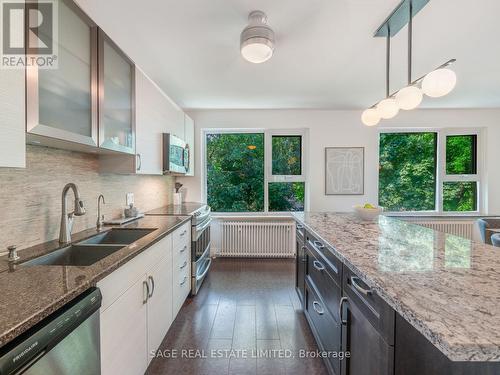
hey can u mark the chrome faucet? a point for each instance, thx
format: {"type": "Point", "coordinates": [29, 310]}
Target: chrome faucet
{"type": "Point", "coordinates": [67, 218]}
{"type": "Point", "coordinates": [100, 218]}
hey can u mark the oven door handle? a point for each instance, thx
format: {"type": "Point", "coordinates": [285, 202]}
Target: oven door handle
{"type": "Point", "coordinates": [199, 277]}
{"type": "Point", "coordinates": [205, 214]}
{"type": "Point", "coordinates": [203, 226]}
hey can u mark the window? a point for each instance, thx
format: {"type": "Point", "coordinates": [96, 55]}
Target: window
{"type": "Point", "coordinates": [407, 171]}
{"type": "Point", "coordinates": [255, 171]}
{"type": "Point", "coordinates": [287, 155]}
{"type": "Point", "coordinates": [235, 172]}
{"type": "Point", "coordinates": [460, 180]}
{"type": "Point", "coordinates": [461, 155]}
{"type": "Point", "coordinates": [286, 186]}
{"type": "Point", "coordinates": [413, 176]}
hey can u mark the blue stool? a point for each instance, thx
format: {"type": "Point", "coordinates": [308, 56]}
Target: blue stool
{"type": "Point", "coordinates": [495, 239]}
{"type": "Point", "coordinates": [485, 223]}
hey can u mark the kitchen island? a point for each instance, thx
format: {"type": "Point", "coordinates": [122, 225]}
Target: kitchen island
{"type": "Point", "coordinates": [433, 298]}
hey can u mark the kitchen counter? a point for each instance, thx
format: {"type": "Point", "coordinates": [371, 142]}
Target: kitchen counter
{"type": "Point", "coordinates": [186, 208]}
{"type": "Point", "coordinates": [31, 293]}
{"type": "Point", "coordinates": [445, 286]}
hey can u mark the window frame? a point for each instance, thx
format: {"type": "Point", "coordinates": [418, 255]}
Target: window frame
{"type": "Point", "coordinates": [268, 174]}
{"type": "Point", "coordinates": [441, 175]}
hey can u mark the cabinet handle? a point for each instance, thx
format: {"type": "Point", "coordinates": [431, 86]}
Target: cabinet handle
{"type": "Point", "coordinates": [139, 162]}
{"type": "Point", "coordinates": [184, 265]}
{"type": "Point", "coordinates": [145, 285]}
{"type": "Point", "coordinates": [319, 245]}
{"type": "Point", "coordinates": [318, 265]}
{"type": "Point", "coordinates": [183, 233]}
{"type": "Point", "coordinates": [184, 281]}
{"type": "Point", "coordinates": [304, 258]}
{"type": "Point", "coordinates": [317, 307]}
{"type": "Point", "coordinates": [341, 303]}
{"type": "Point", "coordinates": [300, 227]}
{"type": "Point", "coordinates": [359, 288]}
{"type": "Point", "coordinates": [184, 249]}
{"type": "Point", "coordinates": [152, 286]}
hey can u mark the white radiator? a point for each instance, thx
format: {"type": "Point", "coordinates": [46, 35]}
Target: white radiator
{"type": "Point", "coordinates": [458, 228]}
{"type": "Point", "coordinates": [262, 239]}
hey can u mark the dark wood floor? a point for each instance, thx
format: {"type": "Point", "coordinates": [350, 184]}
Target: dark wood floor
{"type": "Point", "coordinates": [244, 307]}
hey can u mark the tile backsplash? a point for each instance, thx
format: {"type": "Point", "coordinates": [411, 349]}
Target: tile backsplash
{"type": "Point", "coordinates": [30, 199]}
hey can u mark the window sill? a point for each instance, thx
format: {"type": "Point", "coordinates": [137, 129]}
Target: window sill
{"type": "Point", "coordinates": [437, 215]}
{"type": "Point", "coordinates": [252, 215]}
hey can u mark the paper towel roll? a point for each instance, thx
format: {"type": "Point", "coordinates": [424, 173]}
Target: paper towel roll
{"type": "Point", "coordinates": [177, 198]}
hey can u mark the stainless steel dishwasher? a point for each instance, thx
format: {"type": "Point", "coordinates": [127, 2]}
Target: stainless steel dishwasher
{"type": "Point", "coordinates": [66, 342]}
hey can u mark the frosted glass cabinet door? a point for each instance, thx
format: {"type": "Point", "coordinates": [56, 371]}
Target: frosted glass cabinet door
{"type": "Point", "coordinates": [62, 102]}
{"type": "Point", "coordinates": [116, 98]}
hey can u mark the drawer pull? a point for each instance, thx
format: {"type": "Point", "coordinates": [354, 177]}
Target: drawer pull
{"type": "Point", "coordinates": [319, 245]}
{"type": "Point", "coordinates": [152, 286]}
{"type": "Point", "coordinates": [341, 303]}
{"type": "Point", "coordinates": [183, 233]}
{"type": "Point", "coordinates": [183, 281]}
{"type": "Point", "coordinates": [318, 265]}
{"type": "Point", "coordinates": [184, 249]}
{"type": "Point", "coordinates": [317, 307]}
{"type": "Point", "coordinates": [304, 257]}
{"type": "Point", "coordinates": [184, 265]}
{"type": "Point", "coordinates": [359, 288]}
{"type": "Point", "coordinates": [145, 285]}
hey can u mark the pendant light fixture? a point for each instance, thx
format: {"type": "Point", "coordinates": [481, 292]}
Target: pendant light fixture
{"type": "Point", "coordinates": [257, 39]}
{"type": "Point", "coordinates": [435, 84]}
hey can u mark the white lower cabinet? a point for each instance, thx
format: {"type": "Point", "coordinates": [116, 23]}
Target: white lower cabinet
{"type": "Point", "coordinates": [124, 334]}
{"type": "Point", "coordinates": [160, 311]}
{"type": "Point", "coordinates": [181, 257]}
{"type": "Point", "coordinates": [140, 301]}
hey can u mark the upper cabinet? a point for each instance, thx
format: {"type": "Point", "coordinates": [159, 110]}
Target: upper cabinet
{"type": "Point", "coordinates": [95, 100]}
{"type": "Point", "coordinates": [189, 139]}
{"type": "Point", "coordinates": [149, 107]}
{"type": "Point", "coordinates": [61, 103]}
{"type": "Point", "coordinates": [12, 120]}
{"type": "Point", "coordinates": [155, 114]}
{"type": "Point", "coordinates": [116, 98]}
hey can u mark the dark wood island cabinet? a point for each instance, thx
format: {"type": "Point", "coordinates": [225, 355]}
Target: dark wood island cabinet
{"type": "Point", "coordinates": [349, 318]}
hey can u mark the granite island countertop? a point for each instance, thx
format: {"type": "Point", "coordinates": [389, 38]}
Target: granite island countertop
{"type": "Point", "coordinates": [31, 293]}
{"type": "Point", "coordinates": [445, 286]}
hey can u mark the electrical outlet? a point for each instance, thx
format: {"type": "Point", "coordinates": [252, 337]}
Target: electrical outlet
{"type": "Point", "coordinates": [130, 199]}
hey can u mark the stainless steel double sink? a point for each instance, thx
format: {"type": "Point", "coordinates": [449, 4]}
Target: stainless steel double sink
{"type": "Point", "coordinates": [91, 250]}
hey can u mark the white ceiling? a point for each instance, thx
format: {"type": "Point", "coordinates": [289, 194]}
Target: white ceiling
{"type": "Point", "coordinates": [325, 54]}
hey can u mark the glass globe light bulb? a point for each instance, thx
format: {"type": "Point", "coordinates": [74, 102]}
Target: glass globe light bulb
{"type": "Point", "coordinates": [370, 117]}
{"type": "Point", "coordinates": [439, 82]}
{"type": "Point", "coordinates": [409, 98]}
{"type": "Point", "coordinates": [387, 108]}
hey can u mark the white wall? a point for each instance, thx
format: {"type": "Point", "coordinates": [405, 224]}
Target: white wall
{"type": "Point", "coordinates": [344, 128]}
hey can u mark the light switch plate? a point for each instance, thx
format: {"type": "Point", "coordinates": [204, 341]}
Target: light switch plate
{"type": "Point", "coordinates": [130, 199]}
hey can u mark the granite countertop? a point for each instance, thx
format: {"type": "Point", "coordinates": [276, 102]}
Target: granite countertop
{"type": "Point", "coordinates": [447, 287]}
{"type": "Point", "coordinates": [186, 208]}
{"type": "Point", "coordinates": [31, 293]}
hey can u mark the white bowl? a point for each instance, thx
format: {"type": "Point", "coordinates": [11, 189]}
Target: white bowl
{"type": "Point", "coordinates": [368, 214]}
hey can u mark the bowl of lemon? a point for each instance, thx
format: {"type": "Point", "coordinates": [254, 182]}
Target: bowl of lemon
{"type": "Point", "coordinates": [368, 212]}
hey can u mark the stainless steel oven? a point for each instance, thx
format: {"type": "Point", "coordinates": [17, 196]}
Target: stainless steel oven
{"type": "Point", "coordinates": [200, 247]}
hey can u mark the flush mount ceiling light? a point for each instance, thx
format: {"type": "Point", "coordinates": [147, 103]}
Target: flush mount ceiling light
{"type": "Point", "coordinates": [435, 84]}
{"type": "Point", "coordinates": [257, 39]}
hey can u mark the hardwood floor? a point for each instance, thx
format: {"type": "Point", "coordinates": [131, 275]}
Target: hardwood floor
{"type": "Point", "coordinates": [246, 319]}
